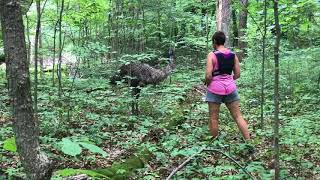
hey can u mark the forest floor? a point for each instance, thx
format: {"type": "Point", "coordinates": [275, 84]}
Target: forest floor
{"type": "Point", "coordinates": [172, 126]}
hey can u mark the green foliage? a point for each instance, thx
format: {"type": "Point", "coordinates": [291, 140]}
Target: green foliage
{"type": "Point", "coordinates": [72, 172]}
{"type": "Point", "coordinates": [93, 148]}
{"type": "Point", "coordinates": [73, 148]}
{"type": "Point", "coordinates": [70, 148]}
{"type": "Point", "coordinates": [172, 125]}
{"type": "Point", "coordinates": [10, 145]}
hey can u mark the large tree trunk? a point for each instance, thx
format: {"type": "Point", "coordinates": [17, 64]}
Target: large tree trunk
{"type": "Point", "coordinates": [243, 17]}
{"type": "Point", "coordinates": [25, 125]}
{"type": "Point", "coordinates": [223, 18]}
{"type": "Point", "coordinates": [276, 91]}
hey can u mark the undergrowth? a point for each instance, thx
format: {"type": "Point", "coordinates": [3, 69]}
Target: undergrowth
{"type": "Point", "coordinates": [172, 124]}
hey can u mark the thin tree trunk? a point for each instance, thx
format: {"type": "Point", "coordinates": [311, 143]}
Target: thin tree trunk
{"type": "Point", "coordinates": [159, 27]}
{"type": "Point", "coordinates": [319, 81]}
{"type": "Point", "coordinates": [223, 18]}
{"type": "Point", "coordinates": [145, 40]}
{"type": "Point", "coordinates": [276, 91]}
{"type": "Point", "coordinates": [116, 40]}
{"type": "Point", "coordinates": [109, 31]}
{"type": "Point", "coordinates": [133, 29]}
{"type": "Point", "coordinates": [243, 17]}
{"type": "Point", "coordinates": [54, 53]}
{"type": "Point", "coordinates": [235, 29]}
{"type": "Point", "coordinates": [40, 54]}
{"type": "Point", "coordinates": [25, 125]}
{"type": "Point", "coordinates": [60, 50]}
{"type": "Point", "coordinates": [207, 28]}
{"type": "Point", "coordinates": [36, 47]}
{"type": "Point", "coordinates": [144, 37]}
{"type": "Point", "coordinates": [29, 41]}
{"type": "Point", "coordinates": [36, 41]}
{"type": "Point", "coordinates": [263, 64]}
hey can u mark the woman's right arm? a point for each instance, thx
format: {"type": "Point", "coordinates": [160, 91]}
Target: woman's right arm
{"type": "Point", "coordinates": [209, 69]}
{"type": "Point", "coordinates": [236, 68]}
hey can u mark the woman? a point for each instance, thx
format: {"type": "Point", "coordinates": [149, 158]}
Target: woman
{"type": "Point", "coordinates": [222, 69]}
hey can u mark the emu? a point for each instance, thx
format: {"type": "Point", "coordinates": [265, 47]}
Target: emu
{"type": "Point", "coordinates": [138, 75]}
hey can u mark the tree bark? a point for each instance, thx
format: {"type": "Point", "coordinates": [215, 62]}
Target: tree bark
{"type": "Point", "coordinates": [263, 64]}
{"type": "Point", "coordinates": [159, 26]}
{"type": "Point", "coordinates": [28, 38]}
{"type": "Point", "coordinates": [60, 46]}
{"type": "Point", "coordinates": [25, 125]}
{"type": "Point", "coordinates": [235, 30]}
{"type": "Point", "coordinates": [40, 54]}
{"type": "Point", "coordinates": [276, 91]}
{"type": "Point", "coordinates": [109, 30]}
{"type": "Point", "coordinates": [36, 46]}
{"type": "Point", "coordinates": [223, 18]}
{"type": "Point", "coordinates": [243, 17]}
{"type": "Point", "coordinates": [54, 53]}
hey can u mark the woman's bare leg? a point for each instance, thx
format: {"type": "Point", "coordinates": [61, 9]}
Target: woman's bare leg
{"type": "Point", "coordinates": [234, 108]}
{"type": "Point", "coordinates": [214, 109]}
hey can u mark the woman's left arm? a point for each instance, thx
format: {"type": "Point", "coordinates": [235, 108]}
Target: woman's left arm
{"type": "Point", "coordinates": [236, 68]}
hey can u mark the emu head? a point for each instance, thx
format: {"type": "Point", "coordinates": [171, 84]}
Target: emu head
{"type": "Point", "coordinates": [172, 58]}
{"type": "Point", "coordinates": [171, 55]}
{"type": "Point", "coordinates": [113, 80]}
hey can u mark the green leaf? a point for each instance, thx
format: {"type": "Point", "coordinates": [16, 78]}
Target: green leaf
{"type": "Point", "coordinates": [72, 172]}
{"type": "Point", "coordinates": [93, 148]}
{"type": "Point", "coordinates": [121, 171]}
{"type": "Point", "coordinates": [70, 148]}
{"type": "Point", "coordinates": [10, 145]}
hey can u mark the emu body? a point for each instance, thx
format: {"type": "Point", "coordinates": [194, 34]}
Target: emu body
{"type": "Point", "coordinates": [138, 75]}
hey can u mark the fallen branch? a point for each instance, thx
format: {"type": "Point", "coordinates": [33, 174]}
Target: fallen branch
{"type": "Point", "coordinates": [199, 152]}
{"type": "Point", "coordinates": [183, 164]}
{"type": "Point", "coordinates": [202, 93]}
{"type": "Point", "coordinates": [233, 160]}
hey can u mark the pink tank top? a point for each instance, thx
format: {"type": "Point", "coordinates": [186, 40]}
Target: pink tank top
{"type": "Point", "coordinates": [221, 84]}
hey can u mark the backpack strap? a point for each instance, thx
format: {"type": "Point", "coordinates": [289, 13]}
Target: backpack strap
{"type": "Point", "coordinates": [219, 57]}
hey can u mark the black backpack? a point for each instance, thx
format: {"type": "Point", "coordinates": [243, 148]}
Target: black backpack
{"type": "Point", "coordinates": [225, 63]}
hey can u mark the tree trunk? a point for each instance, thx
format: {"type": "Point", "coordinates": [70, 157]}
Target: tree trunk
{"type": "Point", "coordinates": [263, 64]}
{"type": "Point", "coordinates": [54, 53]}
{"type": "Point", "coordinates": [29, 41]}
{"type": "Point", "coordinates": [159, 26]}
{"type": "Point", "coordinates": [60, 50]}
{"type": "Point", "coordinates": [25, 125]}
{"type": "Point", "coordinates": [144, 38]}
{"type": "Point", "coordinates": [276, 91]}
{"type": "Point", "coordinates": [235, 30]}
{"type": "Point", "coordinates": [109, 32]}
{"type": "Point", "coordinates": [223, 18]}
{"type": "Point", "coordinates": [40, 54]}
{"type": "Point", "coordinates": [243, 17]}
{"type": "Point", "coordinates": [36, 42]}
{"type": "Point", "coordinates": [319, 81]}
{"type": "Point", "coordinates": [207, 28]}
